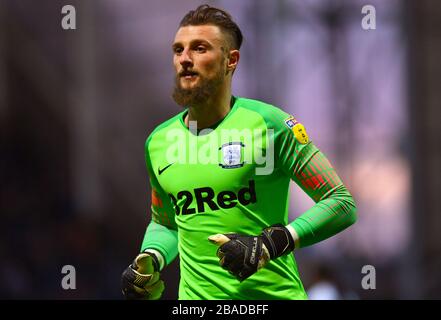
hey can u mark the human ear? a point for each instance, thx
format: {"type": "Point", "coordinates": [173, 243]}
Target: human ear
{"type": "Point", "coordinates": [233, 60]}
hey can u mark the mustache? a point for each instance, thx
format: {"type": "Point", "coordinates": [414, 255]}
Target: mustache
{"type": "Point", "coordinates": [184, 73]}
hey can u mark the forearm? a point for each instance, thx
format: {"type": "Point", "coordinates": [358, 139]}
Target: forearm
{"type": "Point", "coordinates": [162, 239]}
{"type": "Point", "coordinates": [334, 208]}
{"type": "Point", "coordinates": [326, 218]}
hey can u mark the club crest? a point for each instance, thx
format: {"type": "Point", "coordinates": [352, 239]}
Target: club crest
{"type": "Point", "coordinates": [232, 155]}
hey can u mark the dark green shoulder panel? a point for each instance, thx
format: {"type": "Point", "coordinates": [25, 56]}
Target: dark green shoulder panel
{"type": "Point", "coordinates": [273, 116]}
{"type": "Point", "coordinates": [161, 126]}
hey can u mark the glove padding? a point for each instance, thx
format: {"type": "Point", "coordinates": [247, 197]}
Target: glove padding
{"type": "Point", "coordinates": [244, 255]}
{"type": "Point", "coordinates": [140, 280]}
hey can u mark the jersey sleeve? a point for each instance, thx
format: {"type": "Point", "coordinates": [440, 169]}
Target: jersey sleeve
{"type": "Point", "coordinates": [304, 163]}
{"type": "Point", "coordinates": [162, 208]}
{"type": "Point", "coordinates": [161, 233]}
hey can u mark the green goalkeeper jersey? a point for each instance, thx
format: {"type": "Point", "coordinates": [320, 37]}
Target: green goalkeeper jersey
{"type": "Point", "coordinates": [235, 178]}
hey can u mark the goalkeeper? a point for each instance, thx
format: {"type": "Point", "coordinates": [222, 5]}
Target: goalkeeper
{"type": "Point", "coordinates": [227, 215]}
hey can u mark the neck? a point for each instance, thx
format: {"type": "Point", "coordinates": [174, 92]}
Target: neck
{"type": "Point", "coordinates": [211, 111]}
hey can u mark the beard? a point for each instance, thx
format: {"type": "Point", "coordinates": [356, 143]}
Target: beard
{"type": "Point", "coordinates": [200, 93]}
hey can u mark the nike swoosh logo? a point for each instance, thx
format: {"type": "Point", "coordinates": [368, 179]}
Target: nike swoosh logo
{"type": "Point", "coordinates": [165, 168]}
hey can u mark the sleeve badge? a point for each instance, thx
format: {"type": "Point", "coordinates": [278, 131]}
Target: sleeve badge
{"type": "Point", "coordinates": [298, 129]}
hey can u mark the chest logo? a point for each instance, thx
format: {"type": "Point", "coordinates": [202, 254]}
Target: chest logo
{"type": "Point", "coordinates": [163, 169]}
{"type": "Point", "coordinates": [232, 155]}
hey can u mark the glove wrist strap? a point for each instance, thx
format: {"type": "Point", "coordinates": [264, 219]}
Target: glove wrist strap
{"type": "Point", "coordinates": [278, 240]}
{"type": "Point", "coordinates": [155, 262]}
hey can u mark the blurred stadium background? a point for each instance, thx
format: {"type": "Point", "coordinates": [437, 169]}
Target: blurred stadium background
{"type": "Point", "coordinates": [77, 105]}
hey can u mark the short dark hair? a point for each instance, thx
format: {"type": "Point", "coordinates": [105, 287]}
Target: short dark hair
{"type": "Point", "coordinates": [204, 14]}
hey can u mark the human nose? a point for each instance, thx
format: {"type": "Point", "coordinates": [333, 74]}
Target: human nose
{"type": "Point", "coordinates": [185, 58]}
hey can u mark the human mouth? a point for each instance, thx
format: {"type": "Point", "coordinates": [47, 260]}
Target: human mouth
{"type": "Point", "coordinates": [188, 75]}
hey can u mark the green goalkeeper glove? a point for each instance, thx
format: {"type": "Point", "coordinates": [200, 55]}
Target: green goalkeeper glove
{"type": "Point", "coordinates": [243, 255]}
{"type": "Point", "coordinates": [140, 280]}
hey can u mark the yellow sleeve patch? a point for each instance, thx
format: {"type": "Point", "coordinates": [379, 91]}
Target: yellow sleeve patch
{"type": "Point", "coordinates": [298, 129]}
{"type": "Point", "coordinates": [300, 133]}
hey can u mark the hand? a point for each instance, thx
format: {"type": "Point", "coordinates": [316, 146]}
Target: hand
{"type": "Point", "coordinates": [241, 255]}
{"type": "Point", "coordinates": [244, 255]}
{"type": "Point", "coordinates": [140, 280]}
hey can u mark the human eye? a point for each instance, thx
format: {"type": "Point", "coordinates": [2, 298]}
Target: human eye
{"type": "Point", "coordinates": [200, 48]}
{"type": "Point", "coordinates": [177, 50]}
